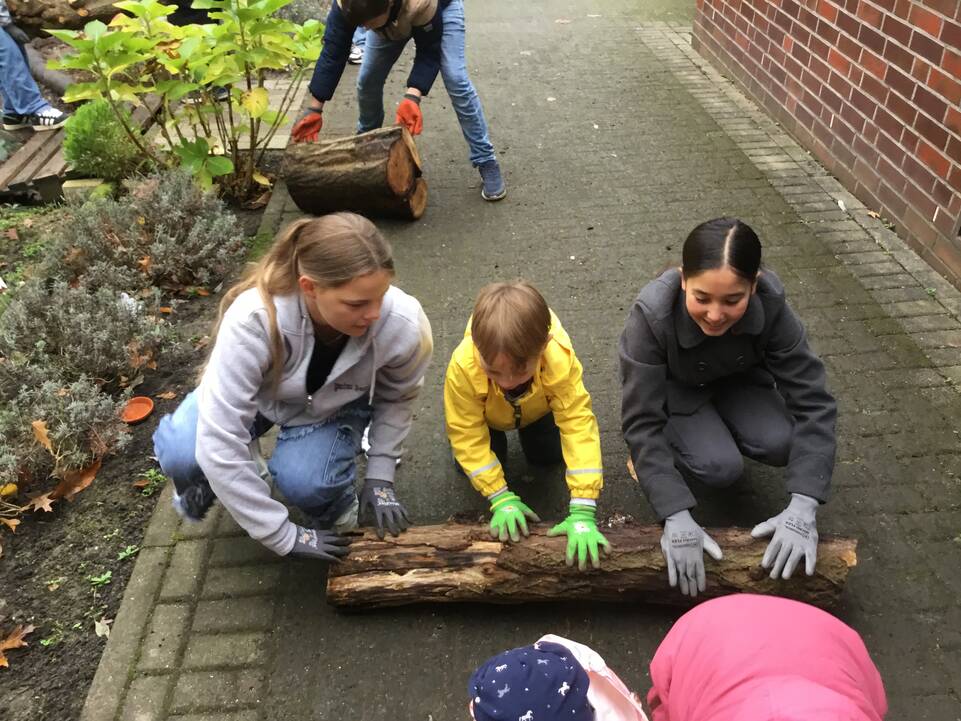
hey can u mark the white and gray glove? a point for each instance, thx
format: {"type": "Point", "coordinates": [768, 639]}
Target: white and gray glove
{"type": "Point", "coordinates": [683, 545]}
{"type": "Point", "coordinates": [795, 537]}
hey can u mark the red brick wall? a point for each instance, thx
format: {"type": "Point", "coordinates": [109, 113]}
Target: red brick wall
{"type": "Point", "coordinates": [871, 87]}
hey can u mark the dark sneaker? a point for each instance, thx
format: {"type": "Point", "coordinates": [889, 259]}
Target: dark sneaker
{"type": "Point", "coordinates": [193, 502]}
{"type": "Point", "coordinates": [494, 188]}
{"type": "Point", "coordinates": [356, 56]}
{"type": "Point", "coordinates": [47, 119]}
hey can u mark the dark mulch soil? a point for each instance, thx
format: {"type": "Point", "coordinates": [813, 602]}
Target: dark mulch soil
{"type": "Point", "coordinates": [46, 567]}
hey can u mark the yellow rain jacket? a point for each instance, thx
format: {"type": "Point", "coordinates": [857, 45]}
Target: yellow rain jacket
{"type": "Point", "coordinates": [473, 404]}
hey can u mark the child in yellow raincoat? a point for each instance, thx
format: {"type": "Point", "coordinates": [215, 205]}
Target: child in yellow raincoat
{"type": "Point", "coordinates": [516, 370]}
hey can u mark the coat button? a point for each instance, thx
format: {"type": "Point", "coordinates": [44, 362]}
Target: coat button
{"type": "Point", "coordinates": [701, 366]}
{"type": "Point", "coordinates": [740, 361]}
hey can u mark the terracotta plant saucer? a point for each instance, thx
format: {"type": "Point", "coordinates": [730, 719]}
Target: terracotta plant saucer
{"type": "Point", "coordinates": [137, 409]}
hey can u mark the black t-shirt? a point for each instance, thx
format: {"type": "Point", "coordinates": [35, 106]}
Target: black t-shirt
{"type": "Point", "coordinates": [322, 361]}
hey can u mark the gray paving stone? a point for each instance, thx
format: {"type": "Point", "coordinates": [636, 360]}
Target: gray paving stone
{"type": "Point", "coordinates": [183, 575]}
{"type": "Point", "coordinates": [145, 699]}
{"type": "Point", "coordinates": [236, 551]}
{"type": "Point", "coordinates": [217, 690]}
{"type": "Point", "coordinates": [165, 636]}
{"type": "Point", "coordinates": [241, 581]}
{"type": "Point", "coordinates": [226, 649]}
{"type": "Point", "coordinates": [246, 715]}
{"type": "Point", "coordinates": [234, 614]}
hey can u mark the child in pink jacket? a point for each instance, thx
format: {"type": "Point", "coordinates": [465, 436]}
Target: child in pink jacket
{"type": "Point", "coordinates": [736, 658]}
{"type": "Point", "coordinates": [763, 658]}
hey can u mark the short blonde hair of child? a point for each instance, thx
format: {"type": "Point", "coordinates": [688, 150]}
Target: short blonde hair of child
{"type": "Point", "coordinates": [510, 318]}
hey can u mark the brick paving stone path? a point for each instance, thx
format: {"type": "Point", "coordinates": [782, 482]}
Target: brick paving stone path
{"type": "Point", "coordinates": [616, 139]}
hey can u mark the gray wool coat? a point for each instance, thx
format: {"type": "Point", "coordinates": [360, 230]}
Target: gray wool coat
{"type": "Point", "coordinates": [668, 366]}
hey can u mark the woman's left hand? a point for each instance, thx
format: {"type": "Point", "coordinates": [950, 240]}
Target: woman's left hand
{"type": "Point", "coordinates": [795, 537]}
{"type": "Point", "coordinates": [387, 510]}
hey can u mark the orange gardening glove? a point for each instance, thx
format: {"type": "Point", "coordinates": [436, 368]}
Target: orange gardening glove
{"type": "Point", "coordinates": [307, 128]}
{"type": "Point", "coordinates": [408, 114]}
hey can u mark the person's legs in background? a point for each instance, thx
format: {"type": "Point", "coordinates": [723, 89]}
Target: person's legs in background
{"type": "Point", "coordinates": [466, 103]}
{"type": "Point", "coordinates": [23, 105]}
{"type": "Point", "coordinates": [380, 54]}
{"type": "Point", "coordinates": [357, 43]}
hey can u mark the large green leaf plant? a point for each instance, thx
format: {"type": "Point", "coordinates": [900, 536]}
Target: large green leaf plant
{"type": "Point", "coordinates": [141, 53]}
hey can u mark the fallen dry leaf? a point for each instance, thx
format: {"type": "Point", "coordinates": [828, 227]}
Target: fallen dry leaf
{"type": "Point", "coordinates": [43, 502]}
{"type": "Point", "coordinates": [102, 627]}
{"type": "Point", "coordinates": [12, 234]}
{"type": "Point", "coordinates": [40, 433]}
{"type": "Point", "coordinates": [9, 489]}
{"type": "Point", "coordinates": [165, 309]}
{"type": "Point", "coordinates": [874, 214]}
{"type": "Point", "coordinates": [166, 395]}
{"type": "Point", "coordinates": [203, 292]}
{"type": "Point", "coordinates": [141, 483]}
{"type": "Point", "coordinates": [14, 640]}
{"type": "Point", "coordinates": [11, 523]}
{"type": "Point", "coordinates": [28, 222]}
{"type": "Point", "coordinates": [145, 263]}
{"type": "Point", "coordinates": [75, 481]}
{"type": "Point", "coordinates": [630, 468]}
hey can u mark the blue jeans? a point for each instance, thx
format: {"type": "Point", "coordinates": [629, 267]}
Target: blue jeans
{"type": "Point", "coordinates": [17, 87]}
{"type": "Point", "coordinates": [380, 54]}
{"type": "Point", "coordinates": [360, 36]}
{"type": "Point", "coordinates": [314, 466]}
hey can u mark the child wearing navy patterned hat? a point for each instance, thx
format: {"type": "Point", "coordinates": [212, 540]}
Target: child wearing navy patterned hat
{"type": "Point", "coordinates": [555, 679]}
{"type": "Point", "coordinates": [542, 682]}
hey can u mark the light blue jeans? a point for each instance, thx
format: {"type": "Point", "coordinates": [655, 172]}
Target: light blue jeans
{"type": "Point", "coordinates": [360, 36]}
{"type": "Point", "coordinates": [314, 466]}
{"type": "Point", "coordinates": [17, 87]}
{"type": "Point", "coordinates": [380, 54]}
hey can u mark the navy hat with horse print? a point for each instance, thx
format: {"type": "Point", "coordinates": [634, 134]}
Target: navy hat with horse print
{"type": "Point", "coordinates": [543, 682]}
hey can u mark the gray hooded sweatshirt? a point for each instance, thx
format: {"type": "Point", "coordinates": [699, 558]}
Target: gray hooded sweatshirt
{"type": "Point", "coordinates": [386, 365]}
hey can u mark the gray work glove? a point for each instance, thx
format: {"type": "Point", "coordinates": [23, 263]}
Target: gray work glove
{"type": "Point", "coordinates": [795, 537]}
{"type": "Point", "coordinates": [683, 545]}
{"type": "Point", "coordinates": [324, 545]}
{"type": "Point", "coordinates": [18, 35]}
{"type": "Point", "coordinates": [379, 497]}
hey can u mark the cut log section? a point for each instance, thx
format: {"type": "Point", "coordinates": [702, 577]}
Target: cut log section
{"type": "Point", "coordinates": [459, 562]}
{"type": "Point", "coordinates": [374, 174]}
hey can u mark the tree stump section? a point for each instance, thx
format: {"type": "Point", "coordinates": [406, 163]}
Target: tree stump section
{"type": "Point", "coordinates": [39, 14]}
{"type": "Point", "coordinates": [456, 562]}
{"type": "Point", "coordinates": [375, 174]}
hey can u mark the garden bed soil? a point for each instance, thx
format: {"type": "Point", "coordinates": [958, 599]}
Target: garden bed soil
{"type": "Point", "coordinates": [47, 565]}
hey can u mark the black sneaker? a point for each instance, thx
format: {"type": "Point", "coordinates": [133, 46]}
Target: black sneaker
{"type": "Point", "coordinates": [47, 119]}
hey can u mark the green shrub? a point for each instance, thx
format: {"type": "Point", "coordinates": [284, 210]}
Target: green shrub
{"type": "Point", "coordinates": [82, 423]}
{"type": "Point", "coordinates": [80, 332]}
{"type": "Point", "coordinates": [96, 145]}
{"type": "Point", "coordinates": [166, 233]}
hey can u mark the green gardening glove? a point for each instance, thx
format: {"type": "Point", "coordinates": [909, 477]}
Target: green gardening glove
{"type": "Point", "coordinates": [582, 536]}
{"type": "Point", "coordinates": [508, 513]}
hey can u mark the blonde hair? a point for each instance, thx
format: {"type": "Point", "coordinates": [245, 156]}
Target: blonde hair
{"type": "Point", "coordinates": [510, 318]}
{"type": "Point", "coordinates": [330, 250]}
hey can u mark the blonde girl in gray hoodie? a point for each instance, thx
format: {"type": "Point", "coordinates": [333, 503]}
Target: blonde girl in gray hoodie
{"type": "Point", "coordinates": [316, 340]}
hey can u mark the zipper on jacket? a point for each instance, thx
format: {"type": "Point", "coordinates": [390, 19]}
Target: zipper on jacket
{"type": "Point", "coordinates": [517, 413]}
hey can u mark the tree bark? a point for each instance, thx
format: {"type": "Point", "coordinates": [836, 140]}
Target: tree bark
{"type": "Point", "coordinates": [53, 79]}
{"type": "Point", "coordinates": [459, 562]}
{"type": "Point", "coordinates": [40, 14]}
{"type": "Point", "coordinates": [375, 173]}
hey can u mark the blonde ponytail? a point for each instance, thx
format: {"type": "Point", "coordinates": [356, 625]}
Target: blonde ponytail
{"type": "Point", "coordinates": [330, 250]}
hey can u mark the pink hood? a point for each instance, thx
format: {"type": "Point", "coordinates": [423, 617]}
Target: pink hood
{"type": "Point", "coordinates": [763, 658]}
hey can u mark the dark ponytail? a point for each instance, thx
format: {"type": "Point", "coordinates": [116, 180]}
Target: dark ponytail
{"type": "Point", "coordinates": [719, 243]}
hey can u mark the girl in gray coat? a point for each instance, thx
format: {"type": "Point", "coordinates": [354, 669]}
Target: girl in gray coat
{"type": "Point", "coordinates": [715, 365]}
{"type": "Point", "coordinates": [316, 340]}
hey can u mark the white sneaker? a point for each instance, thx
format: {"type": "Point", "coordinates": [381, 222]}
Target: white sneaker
{"type": "Point", "coordinates": [356, 56]}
